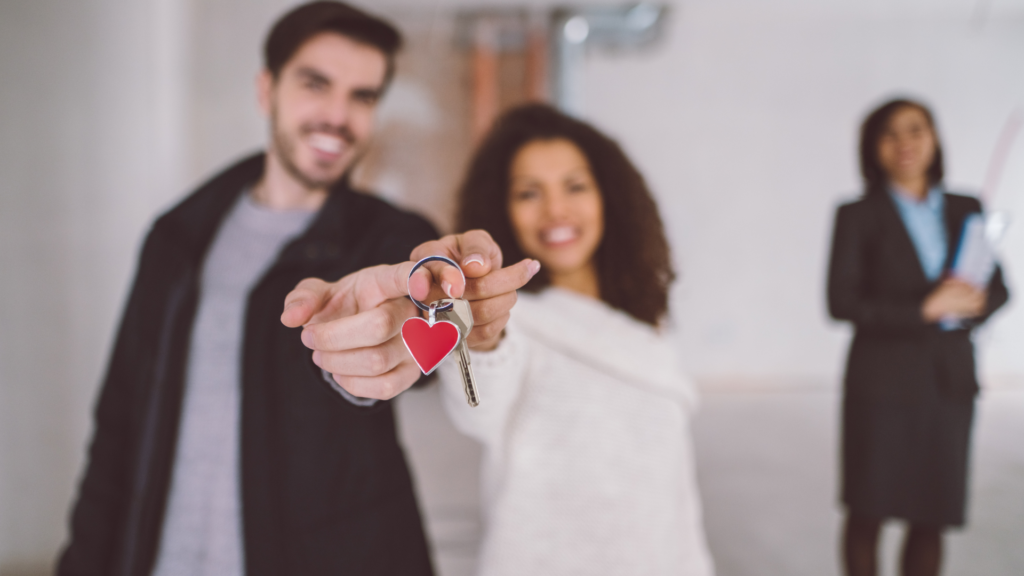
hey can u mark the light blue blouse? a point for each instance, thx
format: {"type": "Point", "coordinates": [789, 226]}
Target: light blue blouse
{"type": "Point", "coordinates": [926, 223]}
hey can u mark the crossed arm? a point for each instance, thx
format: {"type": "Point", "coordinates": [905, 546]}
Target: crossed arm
{"type": "Point", "coordinates": [352, 325]}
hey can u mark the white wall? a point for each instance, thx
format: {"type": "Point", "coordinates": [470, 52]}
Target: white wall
{"type": "Point", "coordinates": [743, 120]}
{"type": "Point", "coordinates": [87, 138]}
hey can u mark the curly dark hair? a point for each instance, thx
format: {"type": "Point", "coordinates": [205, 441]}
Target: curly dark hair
{"type": "Point", "coordinates": [871, 131]}
{"type": "Point", "coordinates": [633, 263]}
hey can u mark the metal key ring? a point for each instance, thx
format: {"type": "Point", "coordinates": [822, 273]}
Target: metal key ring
{"type": "Point", "coordinates": [444, 259]}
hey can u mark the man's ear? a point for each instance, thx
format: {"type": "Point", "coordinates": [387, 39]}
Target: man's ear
{"type": "Point", "coordinates": [264, 90]}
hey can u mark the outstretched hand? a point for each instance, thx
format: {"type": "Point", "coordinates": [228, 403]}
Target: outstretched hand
{"type": "Point", "coordinates": [353, 325]}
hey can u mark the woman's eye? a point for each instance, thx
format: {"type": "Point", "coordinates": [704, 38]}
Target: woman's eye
{"type": "Point", "coordinates": [525, 195]}
{"type": "Point", "coordinates": [315, 86]}
{"type": "Point", "coordinates": [578, 187]}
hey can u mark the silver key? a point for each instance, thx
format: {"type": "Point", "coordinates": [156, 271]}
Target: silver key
{"type": "Point", "coordinates": [462, 316]}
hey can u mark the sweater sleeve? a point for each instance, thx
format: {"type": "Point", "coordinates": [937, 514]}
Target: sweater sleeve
{"type": "Point", "coordinates": [499, 375]}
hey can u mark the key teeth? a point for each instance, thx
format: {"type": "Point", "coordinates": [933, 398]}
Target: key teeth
{"type": "Point", "coordinates": [471, 391]}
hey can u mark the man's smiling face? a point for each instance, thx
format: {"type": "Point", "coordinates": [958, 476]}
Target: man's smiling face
{"type": "Point", "coordinates": [321, 107]}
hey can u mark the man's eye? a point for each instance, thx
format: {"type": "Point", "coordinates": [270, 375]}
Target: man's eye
{"type": "Point", "coordinates": [369, 99]}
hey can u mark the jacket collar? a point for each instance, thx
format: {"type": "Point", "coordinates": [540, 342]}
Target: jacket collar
{"type": "Point", "coordinates": [191, 225]}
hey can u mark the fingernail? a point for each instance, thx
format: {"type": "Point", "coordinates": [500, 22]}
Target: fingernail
{"type": "Point", "coordinates": [307, 339]}
{"type": "Point", "coordinates": [533, 267]}
{"type": "Point", "coordinates": [473, 258]}
{"type": "Point", "coordinates": [447, 287]}
{"type": "Point", "coordinates": [316, 358]}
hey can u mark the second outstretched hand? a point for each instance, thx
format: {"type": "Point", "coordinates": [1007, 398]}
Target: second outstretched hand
{"type": "Point", "coordinates": [353, 325]}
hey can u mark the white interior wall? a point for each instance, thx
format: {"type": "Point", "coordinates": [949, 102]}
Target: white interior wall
{"type": "Point", "coordinates": [90, 102]}
{"type": "Point", "coordinates": [743, 120]}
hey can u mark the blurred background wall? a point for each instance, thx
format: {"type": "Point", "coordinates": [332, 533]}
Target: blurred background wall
{"type": "Point", "coordinates": [743, 117]}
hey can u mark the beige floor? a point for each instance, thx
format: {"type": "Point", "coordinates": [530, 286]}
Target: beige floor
{"type": "Point", "coordinates": [767, 463]}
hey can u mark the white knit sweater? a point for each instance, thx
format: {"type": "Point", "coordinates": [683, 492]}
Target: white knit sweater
{"type": "Point", "coordinates": [588, 461]}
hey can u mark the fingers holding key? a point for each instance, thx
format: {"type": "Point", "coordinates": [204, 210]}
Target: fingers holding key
{"type": "Point", "coordinates": [352, 325]}
{"type": "Point", "coordinates": [435, 280]}
{"type": "Point", "coordinates": [476, 253]}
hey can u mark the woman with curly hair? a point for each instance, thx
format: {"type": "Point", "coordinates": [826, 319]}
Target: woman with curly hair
{"type": "Point", "coordinates": [584, 415]}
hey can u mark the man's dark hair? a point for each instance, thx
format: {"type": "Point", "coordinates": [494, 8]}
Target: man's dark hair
{"type": "Point", "coordinates": [876, 180]}
{"type": "Point", "coordinates": [293, 29]}
{"type": "Point", "coordinates": [634, 267]}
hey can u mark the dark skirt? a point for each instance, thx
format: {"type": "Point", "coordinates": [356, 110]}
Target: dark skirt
{"type": "Point", "coordinates": [907, 461]}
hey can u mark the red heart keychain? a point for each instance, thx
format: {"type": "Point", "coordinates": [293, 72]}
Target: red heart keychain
{"type": "Point", "coordinates": [430, 341]}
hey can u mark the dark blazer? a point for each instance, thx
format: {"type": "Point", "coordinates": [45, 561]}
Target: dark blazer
{"type": "Point", "coordinates": [876, 281]}
{"type": "Point", "coordinates": [324, 484]}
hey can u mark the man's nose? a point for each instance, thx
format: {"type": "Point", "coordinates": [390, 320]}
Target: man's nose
{"type": "Point", "coordinates": [337, 112]}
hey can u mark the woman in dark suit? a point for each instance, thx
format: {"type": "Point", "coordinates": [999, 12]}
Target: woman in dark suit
{"type": "Point", "coordinates": [910, 377]}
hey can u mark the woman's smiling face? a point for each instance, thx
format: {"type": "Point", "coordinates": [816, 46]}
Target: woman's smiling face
{"type": "Point", "coordinates": [907, 146]}
{"type": "Point", "coordinates": [555, 205]}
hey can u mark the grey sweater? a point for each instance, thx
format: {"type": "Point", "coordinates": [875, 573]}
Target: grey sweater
{"type": "Point", "coordinates": [202, 530]}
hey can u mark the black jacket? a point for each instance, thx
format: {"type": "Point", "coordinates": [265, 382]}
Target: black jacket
{"type": "Point", "coordinates": [876, 281]}
{"type": "Point", "coordinates": [324, 484]}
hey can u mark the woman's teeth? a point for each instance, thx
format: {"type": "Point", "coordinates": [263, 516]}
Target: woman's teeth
{"type": "Point", "coordinates": [326, 143]}
{"type": "Point", "coordinates": [559, 234]}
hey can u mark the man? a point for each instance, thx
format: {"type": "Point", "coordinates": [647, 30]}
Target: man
{"type": "Point", "coordinates": [220, 446]}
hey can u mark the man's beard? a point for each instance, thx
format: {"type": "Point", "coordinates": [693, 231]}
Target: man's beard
{"type": "Point", "coordinates": [285, 145]}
